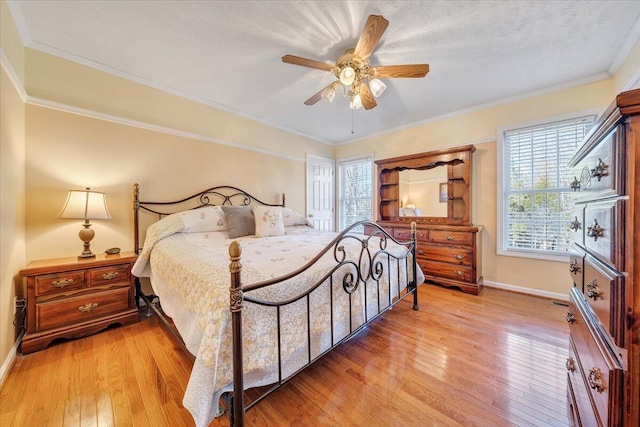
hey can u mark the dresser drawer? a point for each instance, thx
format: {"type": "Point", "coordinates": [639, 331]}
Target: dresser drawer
{"type": "Point", "coordinates": [601, 369]}
{"type": "Point", "coordinates": [113, 274]}
{"type": "Point", "coordinates": [82, 308]}
{"type": "Point", "coordinates": [598, 172]}
{"type": "Point", "coordinates": [52, 283]}
{"type": "Point", "coordinates": [453, 255]}
{"type": "Point", "coordinates": [576, 270]}
{"type": "Point", "coordinates": [579, 391]}
{"type": "Point", "coordinates": [451, 237]}
{"type": "Point", "coordinates": [404, 234]}
{"type": "Point", "coordinates": [604, 292]}
{"type": "Point", "coordinates": [451, 271]}
{"type": "Point", "coordinates": [604, 227]}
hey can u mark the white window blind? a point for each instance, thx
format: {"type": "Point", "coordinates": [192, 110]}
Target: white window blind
{"type": "Point", "coordinates": [536, 185]}
{"type": "Point", "coordinates": [355, 191]}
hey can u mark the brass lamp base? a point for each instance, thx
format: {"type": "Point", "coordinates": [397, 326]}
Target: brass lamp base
{"type": "Point", "coordinates": [86, 234]}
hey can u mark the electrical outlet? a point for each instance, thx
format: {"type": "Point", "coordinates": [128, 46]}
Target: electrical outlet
{"type": "Point", "coordinates": [15, 305]}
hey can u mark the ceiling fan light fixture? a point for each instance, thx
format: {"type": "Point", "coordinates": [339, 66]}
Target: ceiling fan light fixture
{"type": "Point", "coordinates": [377, 87]}
{"type": "Point", "coordinates": [355, 102]}
{"type": "Point", "coordinates": [329, 92]}
{"type": "Point", "coordinates": [347, 76]}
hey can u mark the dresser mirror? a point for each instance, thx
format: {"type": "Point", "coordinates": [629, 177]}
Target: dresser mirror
{"type": "Point", "coordinates": [423, 192]}
{"type": "Point", "coordinates": [430, 188]}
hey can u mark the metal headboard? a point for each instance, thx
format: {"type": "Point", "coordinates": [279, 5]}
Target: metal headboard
{"type": "Point", "coordinates": [214, 196]}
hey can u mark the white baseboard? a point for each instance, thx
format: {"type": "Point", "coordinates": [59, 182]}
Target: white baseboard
{"type": "Point", "coordinates": [520, 289]}
{"type": "Point", "coordinates": [8, 362]}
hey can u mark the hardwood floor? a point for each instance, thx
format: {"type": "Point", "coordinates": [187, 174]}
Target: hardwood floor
{"type": "Point", "coordinates": [497, 359]}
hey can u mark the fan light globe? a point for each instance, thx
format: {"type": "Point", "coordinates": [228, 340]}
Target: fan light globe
{"type": "Point", "coordinates": [347, 75]}
{"type": "Point", "coordinates": [329, 93]}
{"type": "Point", "coordinates": [356, 102]}
{"type": "Point", "coordinates": [377, 87]}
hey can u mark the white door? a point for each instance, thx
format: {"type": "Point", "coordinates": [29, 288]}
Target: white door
{"type": "Point", "coordinates": [320, 192]}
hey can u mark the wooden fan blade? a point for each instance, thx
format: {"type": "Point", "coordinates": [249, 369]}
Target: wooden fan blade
{"type": "Point", "coordinates": [371, 34]}
{"type": "Point", "coordinates": [296, 60]}
{"type": "Point", "coordinates": [393, 71]}
{"type": "Point", "coordinates": [317, 97]}
{"type": "Point", "coordinates": [368, 101]}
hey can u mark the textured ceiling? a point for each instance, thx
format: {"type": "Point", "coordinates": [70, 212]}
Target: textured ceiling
{"type": "Point", "coordinates": [228, 53]}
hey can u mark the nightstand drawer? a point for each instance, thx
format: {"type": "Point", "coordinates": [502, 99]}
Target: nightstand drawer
{"type": "Point", "coordinates": [82, 308]}
{"type": "Point", "coordinates": [113, 274]}
{"type": "Point", "coordinates": [52, 283]}
{"type": "Point", "coordinates": [451, 237]}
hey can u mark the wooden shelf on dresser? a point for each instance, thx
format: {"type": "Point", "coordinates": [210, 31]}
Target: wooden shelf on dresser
{"type": "Point", "coordinates": [603, 367]}
{"type": "Point", "coordinates": [71, 297]}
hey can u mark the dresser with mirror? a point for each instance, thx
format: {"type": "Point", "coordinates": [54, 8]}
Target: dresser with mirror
{"type": "Point", "coordinates": [433, 189]}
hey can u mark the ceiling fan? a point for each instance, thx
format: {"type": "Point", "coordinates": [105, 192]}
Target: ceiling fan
{"type": "Point", "coordinates": [355, 73]}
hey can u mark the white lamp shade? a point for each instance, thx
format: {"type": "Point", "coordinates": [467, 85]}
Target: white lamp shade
{"type": "Point", "coordinates": [329, 93]}
{"type": "Point", "coordinates": [347, 76]}
{"type": "Point", "coordinates": [377, 87]}
{"type": "Point", "coordinates": [85, 204]}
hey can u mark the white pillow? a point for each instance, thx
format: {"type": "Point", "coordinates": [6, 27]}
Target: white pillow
{"type": "Point", "coordinates": [291, 217]}
{"type": "Point", "coordinates": [208, 218]}
{"type": "Point", "coordinates": [268, 221]}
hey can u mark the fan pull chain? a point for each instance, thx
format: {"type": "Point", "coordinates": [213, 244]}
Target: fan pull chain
{"type": "Point", "coordinates": [351, 122]}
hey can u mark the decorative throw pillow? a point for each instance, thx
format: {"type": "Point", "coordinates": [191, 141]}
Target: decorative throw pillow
{"type": "Point", "coordinates": [239, 221]}
{"type": "Point", "coordinates": [268, 221]}
{"type": "Point", "coordinates": [291, 217]}
{"type": "Point", "coordinates": [208, 218]}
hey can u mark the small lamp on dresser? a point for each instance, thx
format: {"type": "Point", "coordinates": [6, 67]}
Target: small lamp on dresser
{"type": "Point", "coordinates": [85, 204]}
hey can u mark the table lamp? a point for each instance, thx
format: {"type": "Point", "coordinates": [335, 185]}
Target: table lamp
{"type": "Point", "coordinates": [85, 204]}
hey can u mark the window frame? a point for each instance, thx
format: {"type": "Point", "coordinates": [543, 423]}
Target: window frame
{"type": "Point", "coordinates": [504, 168]}
{"type": "Point", "coordinates": [339, 182]}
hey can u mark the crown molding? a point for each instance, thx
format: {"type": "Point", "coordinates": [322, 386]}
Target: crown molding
{"type": "Point", "coordinates": [13, 76]}
{"type": "Point", "coordinates": [628, 44]}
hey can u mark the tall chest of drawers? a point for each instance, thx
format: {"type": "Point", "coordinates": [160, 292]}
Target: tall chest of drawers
{"type": "Point", "coordinates": [71, 297]}
{"type": "Point", "coordinates": [603, 365]}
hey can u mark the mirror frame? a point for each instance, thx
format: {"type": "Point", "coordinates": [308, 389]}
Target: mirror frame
{"type": "Point", "coordinates": [457, 160]}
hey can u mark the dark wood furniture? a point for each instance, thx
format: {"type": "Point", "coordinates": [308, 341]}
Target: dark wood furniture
{"type": "Point", "coordinates": [71, 297]}
{"type": "Point", "coordinates": [603, 367]}
{"type": "Point", "coordinates": [448, 247]}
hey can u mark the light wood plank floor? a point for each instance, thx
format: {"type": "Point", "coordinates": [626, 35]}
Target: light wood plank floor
{"type": "Point", "coordinates": [491, 360]}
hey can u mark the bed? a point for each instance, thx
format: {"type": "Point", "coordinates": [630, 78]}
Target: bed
{"type": "Point", "coordinates": [256, 294]}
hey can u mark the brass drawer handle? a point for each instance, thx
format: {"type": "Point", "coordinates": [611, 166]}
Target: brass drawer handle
{"type": "Point", "coordinates": [600, 170]}
{"type": "Point", "coordinates": [450, 238]}
{"type": "Point", "coordinates": [571, 318]}
{"type": "Point", "coordinates": [574, 267]}
{"type": "Point", "coordinates": [593, 291]}
{"type": "Point", "coordinates": [595, 230]}
{"type": "Point", "coordinates": [575, 184]}
{"type": "Point", "coordinates": [459, 257]}
{"type": "Point", "coordinates": [595, 380]}
{"type": "Point", "coordinates": [62, 283]}
{"type": "Point", "coordinates": [88, 307]}
{"type": "Point", "coordinates": [110, 275]}
{"type": "Point", "coordinates": [459, 273]}
{"type": "Point", "coordinates": [571, 365]}
{"type": "Point", "coordinates": [575, 224]}
{"type": "Point", "coordinates": [420, 252]}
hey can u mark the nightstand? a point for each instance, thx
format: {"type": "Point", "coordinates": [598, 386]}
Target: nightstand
{"type": "Point", "coordinates": [71, 297]}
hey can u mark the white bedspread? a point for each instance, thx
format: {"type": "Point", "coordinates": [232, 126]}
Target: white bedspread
{"type": "Point", "coordinates": [190, 274]}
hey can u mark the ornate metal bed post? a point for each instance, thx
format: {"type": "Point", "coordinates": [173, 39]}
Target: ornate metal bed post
{"type": "Point", "coordinates": [237, 401]}
{"type": "Point", "coordinates": [415, 265]}
{"type": "Point", "coordinates": [136, 208]}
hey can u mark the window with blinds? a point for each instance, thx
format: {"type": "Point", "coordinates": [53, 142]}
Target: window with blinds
{"type": "Point", "coordinates": [536, 185]}
{"type": "Point", "coordinates": [355, 182]}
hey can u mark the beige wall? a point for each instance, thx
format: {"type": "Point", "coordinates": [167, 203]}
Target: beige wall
{"type": "Point", "coordinates": [480, 127]}
{"type": "Point", "coordinates": [628, 75]}
{"type": "Point", "coordinates": [12, 195]}
{"type": "Point", "coordinates": [68, 151]}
